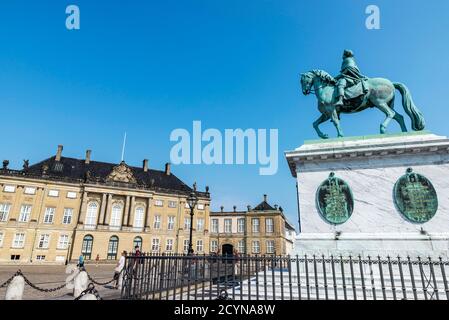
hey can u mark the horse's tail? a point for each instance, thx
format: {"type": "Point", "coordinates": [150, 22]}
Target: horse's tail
{"type": "Point", "coordinates": [410, 108]}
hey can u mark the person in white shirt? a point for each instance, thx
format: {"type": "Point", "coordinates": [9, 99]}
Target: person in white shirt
{"type": "Point", "coordinates": [119, 267]}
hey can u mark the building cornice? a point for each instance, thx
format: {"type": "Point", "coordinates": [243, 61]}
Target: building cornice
{"type": "Point", "coordinates": [16, 175]}
{"type": "Point", "coordinates": [367, 147]}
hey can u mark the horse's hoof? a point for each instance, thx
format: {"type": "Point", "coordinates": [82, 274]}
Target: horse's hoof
{"type": "Point", "coordinates": [324, 136]}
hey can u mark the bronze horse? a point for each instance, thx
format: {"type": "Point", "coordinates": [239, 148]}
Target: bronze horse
{"type": "Point", "coordinates": [380, 94]}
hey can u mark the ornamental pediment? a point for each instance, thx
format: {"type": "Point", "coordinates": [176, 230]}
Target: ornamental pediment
{"type": "Point", "coordinates": [121, 173]}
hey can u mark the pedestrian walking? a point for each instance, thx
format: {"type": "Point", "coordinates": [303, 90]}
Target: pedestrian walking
{"type": "Point", "coordinates": [137, 252]}
{"type": "Point", "coordinates": [97, 259]}
{"type": "Point", "coordinates": [119, 268]}
{"type": "Point", "coordinates": [80, 262]}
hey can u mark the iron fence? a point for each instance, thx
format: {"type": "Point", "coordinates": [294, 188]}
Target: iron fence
{"type": "Point", "coordinates": [245, 277]}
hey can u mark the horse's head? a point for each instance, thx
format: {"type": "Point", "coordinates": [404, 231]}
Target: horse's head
{"type": "Point", "coordinates": [306, 82]}
{"type": "Point", "coordinates": [321, 77]}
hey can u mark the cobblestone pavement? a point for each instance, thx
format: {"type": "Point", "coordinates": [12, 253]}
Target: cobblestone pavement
{"type": "Point", "coordinates": [51, 276]}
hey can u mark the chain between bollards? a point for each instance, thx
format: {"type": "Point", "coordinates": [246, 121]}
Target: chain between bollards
{"type": "Point", "coordinates": [90, 289]}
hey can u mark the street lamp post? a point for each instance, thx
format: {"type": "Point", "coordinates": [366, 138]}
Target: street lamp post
{"type": "Point", "coordinates": [192, 201]}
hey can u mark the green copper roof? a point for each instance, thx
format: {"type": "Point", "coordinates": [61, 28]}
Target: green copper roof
{"type": "Point", "coordinates": [373, 136]}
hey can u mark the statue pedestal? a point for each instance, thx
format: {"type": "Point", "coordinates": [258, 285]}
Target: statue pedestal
{"type": "Point", "coordinates": [384, 220]}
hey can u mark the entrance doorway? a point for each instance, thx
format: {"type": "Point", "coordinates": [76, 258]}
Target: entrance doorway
{"type": "Point", "coordinates": [227, 249]}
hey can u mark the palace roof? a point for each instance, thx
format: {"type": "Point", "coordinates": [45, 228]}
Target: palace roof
{"type": "Point", "coordinates": [96, 172]}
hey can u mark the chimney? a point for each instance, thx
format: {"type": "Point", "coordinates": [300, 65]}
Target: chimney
{"type": "Point", "coordinates": [221, 208]}
{"type": "Point", "coordinates": [59, 152]}
{"type": "Point", "coordinates": [145, 165]}
{"type": "Point", "coordinates": [167, 169]}
{"type": "Point", "coordinates": [88, 152]}
{"type": "Point", "coordinates": [265, 197]}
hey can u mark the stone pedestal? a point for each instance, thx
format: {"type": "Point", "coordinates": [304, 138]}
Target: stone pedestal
{"type": "Point", "coordinates": [370, 166]}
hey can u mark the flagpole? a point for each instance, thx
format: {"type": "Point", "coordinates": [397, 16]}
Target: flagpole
{"type": "Point", "coordinates": [123, 148]}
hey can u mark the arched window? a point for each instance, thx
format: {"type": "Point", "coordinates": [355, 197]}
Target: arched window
{"type": "Point", "coordinates": [139, 215]}
{"type": "Point", "coordinates": [112, 248]}
{"type": "Point", "coordinates": [91, 215]}
{"type": "Point", "coordinates": [137, 242]}
{"type": "Point", "coordinates": [86, 248]}
{"type": "Point", "coordinates": [116, 215]}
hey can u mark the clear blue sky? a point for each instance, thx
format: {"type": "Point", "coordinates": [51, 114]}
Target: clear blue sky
{"type": "Point", "coordinates": [148, 67]}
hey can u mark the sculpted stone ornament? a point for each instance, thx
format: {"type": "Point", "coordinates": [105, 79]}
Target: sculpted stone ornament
{"type": "Point", "coordinates": [415, 197]}
{"type": "Point", "coordinates": [352, 92]}
{"type": "Point", "coordinates": [334, 200]}
{"type": "Point", "coordinates": [121, 173]}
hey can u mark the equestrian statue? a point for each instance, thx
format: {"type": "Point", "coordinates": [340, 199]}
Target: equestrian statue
{"type": "Point", "coordinates": [351, 92]}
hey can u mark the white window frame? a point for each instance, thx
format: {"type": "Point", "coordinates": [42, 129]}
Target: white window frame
{"type": "Point", "coordinates": [241, 246]}
{"type": "Point", "coordinates": [241, 225]}
{"type": "Point", "coordinates": [270, 246]}
{"type": "Point", "coordinates": [9, 189]}
{"type": "Point", "coordinates": [172, 204]}
{"type": "Point", "coordinates": [63, 242]}
{"type": "Point", "coordinates": [40, 257]}
{"type": "Point", "coordinates": [157, 222]}
{"type": "Point", "coordinates": [139, 217]}
{"type": "Point", "coordinates": [5, 208]}
{"type": "Point", "coordinates": [269, 227]}
{"type": "Point", "coordinates": [215, 225]}
{"type": "Point", "coordinates": [171, 223]}
{"type": "Point", "coordinates": [67, 216]}
{"type": "Point", "coordinates": [53, 193]}
{"type": "Point", "coordinates": [116, 215]}
{"type": "Point", "coordinates": [155, 244]}
{"type": "Point", "coordinates": [199, 224]}
{"type": "Point", "coordinates": [255, 226]}
{"type": "Point", "coordinates": [71, 195]}
{"type": "Point", "coordinates": [18, 241]}
{"type": "Point", "coordinates": [44, 241]}
{"type": "Point", "coordinates": [200, 206]}
{"type": "Point", "coordinates": [29, 190]}
{"type": "Point", "coordinates": [158, 203]}
{"type": "Point", "coordinates": [187, 223]}
{"type": "Point", "coordinates": [214, 245]}
{"type": "Point", "coordinates": [186, 245]}
{"type": "Point", "coordinates": [25, 215]}
{"type": "Point", "coordinates": [169, 245]}
{"type": "Point", "coordinates": [227, 225]}
{"type": "Point", "coordinates": [49, 215]}
{"type": "Point", "coordinates": [256, 246]}
{"type": "Point", "coordinates": [91, 215]}
{"type": "Point", "coordinates": [199, 245]}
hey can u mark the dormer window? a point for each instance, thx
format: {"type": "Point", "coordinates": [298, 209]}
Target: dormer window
{"type": "Point", "coordinates": [58, 167]}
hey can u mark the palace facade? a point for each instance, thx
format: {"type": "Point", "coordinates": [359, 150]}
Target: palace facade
{"type": "Point", "coordinates": [259, 230]}
{"type": "Point", "coordinates": [61, 207]}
